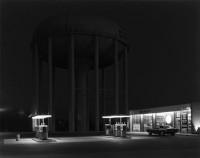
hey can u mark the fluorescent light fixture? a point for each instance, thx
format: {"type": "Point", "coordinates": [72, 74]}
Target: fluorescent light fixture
{"type": "Point", "coordinates": [41, 116]}
{"type": "Point", "coordinates": [148, 114]}
{"type": "Point", "coordinates": [106, 116]}
{"type": "Point", "coordinates": [116, 116]}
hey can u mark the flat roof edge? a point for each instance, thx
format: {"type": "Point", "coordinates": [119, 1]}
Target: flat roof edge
{"type": "Point", "coordinates": [161, 109]}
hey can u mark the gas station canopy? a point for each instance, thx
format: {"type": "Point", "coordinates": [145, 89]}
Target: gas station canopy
{"type": "Point", "coordinates": [116, 116]}
{"type": "Point", "coordinates": [41, 116]}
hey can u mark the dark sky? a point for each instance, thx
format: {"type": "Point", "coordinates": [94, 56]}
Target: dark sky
{"type": "Point", "coordinates": [164, 39]}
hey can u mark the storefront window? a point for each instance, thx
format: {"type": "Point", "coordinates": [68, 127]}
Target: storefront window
{"type": "Point", "coordinates": [185, 121]}
{"type": "Point", "coordinates": [189, 123]}
{"type": "Point", "coordinates": [177, 120]}
{"type": "Point", "coordinates": [136, 123]}
{"type": "Point", "coordinates": [165, 118]}
{"type": "Point", "coordinates": [160, 119]}
{"type": "Point", "coordinates": [148, 119]}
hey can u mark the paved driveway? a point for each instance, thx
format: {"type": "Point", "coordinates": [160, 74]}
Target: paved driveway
{"type": "Point", "coordinates": [102, 146]}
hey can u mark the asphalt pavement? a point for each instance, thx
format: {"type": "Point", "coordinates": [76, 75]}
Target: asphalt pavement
{"type": "Point", "coordinates": [138, 146]}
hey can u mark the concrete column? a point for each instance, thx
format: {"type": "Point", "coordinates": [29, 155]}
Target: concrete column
{"type": "Point", "coordinates": [81, 94]}
{"type": "Point", "coordinates": [53, 100]}
{"type": "Point", "coordinates": [50, 67]}
{"type": "Point", "coordinates": [87, 105]}
{"type": "Point", "coordinates": [37, 77]}
{"type": "Point", "coordinates": [103, 92]}
{"type": "Point", "coordinates": [40, 80]}
{"type": "Point", "coordinates": [126, 79]}
{"type": "Point", "coordinates": [1, 86]}
{"type": "Point", "coordinates": [33, 73]}
{"type": "Point", "coordinates": [116, 64]}
{"type": "Point", "coordinates": [97, 83]}
{"type": "Point", "coordinates": [103, 96]}
{"type": "Point", "coordinates": [72, 85]}
{"type": "Point", "coordinates": [84, 93]}
{"type": "Point", "coordinates": [131, 123]}
{"type": "Point", "coordinates": [142, 123]}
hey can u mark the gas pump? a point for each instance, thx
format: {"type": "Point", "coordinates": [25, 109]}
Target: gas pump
{"type": "Point", "coordinates": [39, 126]}
{"type": "Point", "coordinates": [118, 129]}
{"type": "Point", "coordinates": [108, 129]}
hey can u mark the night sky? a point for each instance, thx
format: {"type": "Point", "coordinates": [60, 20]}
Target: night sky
{"type": "Point", "coordinates": [164, 37]}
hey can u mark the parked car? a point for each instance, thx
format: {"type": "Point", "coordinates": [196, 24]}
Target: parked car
{"type": "Point", "coordinates": [162, 130]}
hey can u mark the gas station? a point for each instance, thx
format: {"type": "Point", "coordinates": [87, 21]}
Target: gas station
{"type": "Point", "coordinates": [115, 128]}
{"type": "Point", "coordinates": [40, 126]}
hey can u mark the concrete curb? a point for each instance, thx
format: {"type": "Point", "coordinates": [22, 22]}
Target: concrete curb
{"type": "Point", "coordinates": [185, 134]}
{"type": "Point", "coordinates": [50, 140]}
{"type": "Point", "coordinates": [146, 134]}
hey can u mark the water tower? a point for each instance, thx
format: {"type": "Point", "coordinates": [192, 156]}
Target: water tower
{"type": "Point", "coordinates": [80, 44]}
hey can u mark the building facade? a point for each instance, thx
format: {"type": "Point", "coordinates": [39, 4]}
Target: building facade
{"type": "Point", "coordinates": [185, 117]}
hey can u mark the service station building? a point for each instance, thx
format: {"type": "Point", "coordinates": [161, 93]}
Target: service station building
{"type": "Point", "coordinates": [185, 117]}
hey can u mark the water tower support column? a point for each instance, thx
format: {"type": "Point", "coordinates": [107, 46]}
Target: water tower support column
{"type": "Point", "coordinates": [50, 66]}
{"type": "Point", "coordinates": [97, 83]}
{"type": "Point", "coordinates": [126, 79]}
{"type": "Point", "coordinates": [116, 78]}
{"type": "Point", "coordinates": [103, 96]}
{"type": "Point", "coordinates": [37, 77]}
{"type": "Point", "coordinates": [103, 92]}
{"type": "Point", "coordinates": [72, 85]}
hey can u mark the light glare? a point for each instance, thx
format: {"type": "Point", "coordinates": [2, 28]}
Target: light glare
{"type": "Point", "coordinates": [1, 110]}
{"type": "Point", "coordinates": [116, 116]}
{"type": "Point", "coordinates": [168, 119]}
{"type": "Point", "coordinates": [41, 116]}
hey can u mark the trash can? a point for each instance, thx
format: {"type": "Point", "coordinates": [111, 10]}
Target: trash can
{"type": "Point", "coordinates": [36, 132]}
{"type": "Point", "coordinates": [107, 129]}
{"type": "Point", "coordinates": [17, 137]}
{"type": "Point", "coordinates": [107, 132]}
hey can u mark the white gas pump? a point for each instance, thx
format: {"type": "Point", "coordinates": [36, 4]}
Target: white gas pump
{"type": "Point", "coordinates": [119, 128]}
{"type": "Point", "coordinates": [39, 126]}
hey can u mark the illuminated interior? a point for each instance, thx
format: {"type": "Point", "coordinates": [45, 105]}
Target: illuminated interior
{"type": "Point", "coordinates": [177, 119]}
{"type": "Point", "coordinates": [168, 119]}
